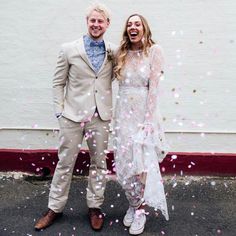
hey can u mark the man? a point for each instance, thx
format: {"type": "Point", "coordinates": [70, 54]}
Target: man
{"type": "Point", "coordinates": [83, 104]}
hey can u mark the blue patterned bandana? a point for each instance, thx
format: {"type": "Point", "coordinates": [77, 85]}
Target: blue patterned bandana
{"type": "Point", "coordinates": [95, 51]}
{"type": "Point", "coordinates": [97, 44]}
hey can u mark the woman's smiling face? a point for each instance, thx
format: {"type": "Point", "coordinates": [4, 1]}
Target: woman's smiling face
{"type": "Point", "coordinates": [135, 29]}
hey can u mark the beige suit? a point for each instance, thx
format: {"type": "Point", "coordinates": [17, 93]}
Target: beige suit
{"type": "Point", "coordinates": [84, 90]}
{"type": "Point", "coordinates": [85, 100]}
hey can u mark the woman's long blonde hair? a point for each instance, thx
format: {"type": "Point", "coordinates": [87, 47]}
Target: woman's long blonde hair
{"type": "Point", "coordinates": [125, 44]}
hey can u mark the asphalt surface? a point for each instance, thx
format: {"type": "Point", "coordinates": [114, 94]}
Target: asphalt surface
{"type": "Point", "coordinates": [198, 206]}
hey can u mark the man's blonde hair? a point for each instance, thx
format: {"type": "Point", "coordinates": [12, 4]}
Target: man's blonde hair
{"type": "Point", "coordinates": [101, 8]}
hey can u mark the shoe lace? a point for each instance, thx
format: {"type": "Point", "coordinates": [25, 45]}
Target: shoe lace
{"type": "Point", "coordinates": [138, 217]}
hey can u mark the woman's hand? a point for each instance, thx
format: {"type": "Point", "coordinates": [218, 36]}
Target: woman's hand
{"type": "Point", "coordinates": [148, 128]}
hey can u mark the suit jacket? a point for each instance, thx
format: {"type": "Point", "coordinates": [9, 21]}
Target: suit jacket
{"type": "Point", "coordinates": [77, 89]}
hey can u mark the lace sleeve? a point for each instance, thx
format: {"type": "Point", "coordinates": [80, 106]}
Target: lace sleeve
{"type": "Point", "coordinates": [151, 135]}
{"type": "Point", "coordinates": [156, 65]}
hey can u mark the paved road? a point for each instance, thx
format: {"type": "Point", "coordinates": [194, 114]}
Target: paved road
{"type": "Point", "coordinates": [198, 206]}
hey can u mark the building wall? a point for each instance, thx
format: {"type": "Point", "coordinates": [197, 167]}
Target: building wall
{"type": "Point", "coordinates": [198, 92]}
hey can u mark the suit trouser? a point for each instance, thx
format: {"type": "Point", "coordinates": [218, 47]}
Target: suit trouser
{"type": "Point", "coordinates": [71, 136]}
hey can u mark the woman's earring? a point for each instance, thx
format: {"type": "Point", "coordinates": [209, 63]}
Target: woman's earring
{"type": "Point", "coordinates": [143, 40]}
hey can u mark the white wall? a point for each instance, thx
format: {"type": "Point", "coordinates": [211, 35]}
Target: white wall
{"type": "Point", "coordinates": [198, 93]}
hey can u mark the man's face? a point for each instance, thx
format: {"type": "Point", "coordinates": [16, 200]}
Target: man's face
{"type": "Point", "coordinates": [97, 25]}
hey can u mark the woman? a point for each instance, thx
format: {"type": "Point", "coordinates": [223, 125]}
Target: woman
{"type": "Point", "coordinates": [139, 140]}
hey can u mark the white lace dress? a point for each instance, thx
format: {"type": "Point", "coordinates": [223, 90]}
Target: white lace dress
{"type": "Point", "coordinates": [139, 141]}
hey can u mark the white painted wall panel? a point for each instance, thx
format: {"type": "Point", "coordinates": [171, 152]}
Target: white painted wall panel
{"type": "Point", "coordinates": [198, 93]}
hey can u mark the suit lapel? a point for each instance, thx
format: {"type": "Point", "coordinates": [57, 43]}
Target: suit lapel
{"type": "Point", "coordinates": [81, 49]}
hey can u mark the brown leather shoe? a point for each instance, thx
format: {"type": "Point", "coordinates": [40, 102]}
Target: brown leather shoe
{"type": "Point", "coordinates": [48, 218]}
{"type": "Point", "coordinates": [96, 218]}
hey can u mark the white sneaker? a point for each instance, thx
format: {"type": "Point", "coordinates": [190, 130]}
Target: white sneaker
{"type": "Point", "coordinates": [138, 224]}
{"type": "Point", "coordinates": [129, 217]}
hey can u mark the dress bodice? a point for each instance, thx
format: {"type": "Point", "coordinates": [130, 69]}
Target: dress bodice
{"type": "Point", "coordinates": [136, 71]}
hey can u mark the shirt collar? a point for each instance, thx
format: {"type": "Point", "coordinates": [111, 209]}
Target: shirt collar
{"type": "Point", "coordinates": [93, 42]}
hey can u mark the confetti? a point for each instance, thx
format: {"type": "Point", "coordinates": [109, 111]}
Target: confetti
{"type": "Point", "coordinates": [174, 157]}
{"type": "Point", "coordinates": [213, 183]}
{"type": "Point", "coordinates": [35, 126]}
{"type": "Point", "coordinates": [176, 95]}
{"type": "Point", "coordinates": [202, 135]}
{"type": "Point", "coordinates": [174, 185]}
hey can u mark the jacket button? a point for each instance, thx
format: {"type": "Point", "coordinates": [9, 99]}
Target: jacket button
{"type": "Point", "coordinates": [96, 77]}
{"type": "Point", "coordinates": [96, 91]}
